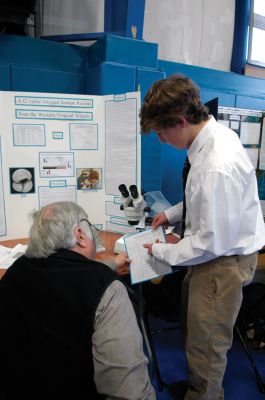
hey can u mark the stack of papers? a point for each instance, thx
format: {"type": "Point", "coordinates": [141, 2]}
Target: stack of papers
{"type": "Point", "coordinates": [144, 267]}
{"type": "Point", "coordinates": [8, 256]}
{"type": "Point", "coordinates": [4, 251]}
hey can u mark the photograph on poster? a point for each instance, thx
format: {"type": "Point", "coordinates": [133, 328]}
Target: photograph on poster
{"type": "Point", "coordinates": [21, 180]}
{"type": "Point", "coordinates": [89, 178]}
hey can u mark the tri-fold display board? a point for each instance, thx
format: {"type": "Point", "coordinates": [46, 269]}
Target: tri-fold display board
{"type": "Point", "coordinates": [57, 147]}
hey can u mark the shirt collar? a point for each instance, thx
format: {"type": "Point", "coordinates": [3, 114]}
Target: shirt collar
{"type": "Point", "coordinates": [201, 139]}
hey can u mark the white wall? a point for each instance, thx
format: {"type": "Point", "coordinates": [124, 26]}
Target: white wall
{"type": "Point", "coordinates": [72, 16]}
{"type": "Point", "coordinates": [197, 32]}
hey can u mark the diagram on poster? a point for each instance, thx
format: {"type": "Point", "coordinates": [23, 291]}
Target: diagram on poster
{"type": "Point", "coordinates": [83, 136]}
{"type": "Point", "coordinates": [56, 164]}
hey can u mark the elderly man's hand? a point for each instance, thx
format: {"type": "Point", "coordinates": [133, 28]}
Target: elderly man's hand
{"type": "Point", "coordinates": [122, 264]}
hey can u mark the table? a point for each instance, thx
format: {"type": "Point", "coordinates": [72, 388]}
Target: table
{"type": "Point", "coordinates": [109, 239]}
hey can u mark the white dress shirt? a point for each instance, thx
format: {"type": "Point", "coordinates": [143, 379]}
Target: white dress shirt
{"type": "Point", "coordinates": [224, 215]}
{"type": "Point", "coordinates": [120, 366]}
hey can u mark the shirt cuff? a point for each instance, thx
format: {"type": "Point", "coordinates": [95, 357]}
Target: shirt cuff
{"type": "Point", "coordinates": [158, 250]}
{"type": "Point", "coordinates": [174, 213]}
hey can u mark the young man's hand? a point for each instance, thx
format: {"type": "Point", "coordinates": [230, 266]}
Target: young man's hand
{"type": "Point", "coordinates": [149, 247]}
{"type": "Point", "coordinates": [159, 219]}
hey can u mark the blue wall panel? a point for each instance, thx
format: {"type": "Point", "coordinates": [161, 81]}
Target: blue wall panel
{"type": "Point", "coordinates": [151, 147]}
{"type": "Point", "coordinates": [250, 102]}
{"type": "Point", "coordinates": [42, 80]}
{"type": "Point", "coordinates": [110, 78]}
{"type": "Point", "coordinates": [224, 99]}
{"type": "Point", "coordinates": [217, 80]}
{"type": "Point", "coordinates": [5, 81]}
{"type": "Point", "coordinates": [171, 167]}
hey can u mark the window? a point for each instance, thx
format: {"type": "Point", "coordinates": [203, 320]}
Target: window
{"type": "Point", "coordinates": [256, 40]}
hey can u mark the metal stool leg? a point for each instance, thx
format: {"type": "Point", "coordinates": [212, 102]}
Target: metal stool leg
{"type": "Point", "coordinates": [260, 383]}
{"type": "Point", "coordinates": [144, 325]}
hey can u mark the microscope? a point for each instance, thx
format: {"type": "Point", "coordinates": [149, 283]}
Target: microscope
{"type": "Point", "coordinates": [135, 211]}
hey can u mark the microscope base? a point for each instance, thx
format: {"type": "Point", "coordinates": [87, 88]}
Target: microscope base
{"type": "Point", "coordinates": [119, 246]}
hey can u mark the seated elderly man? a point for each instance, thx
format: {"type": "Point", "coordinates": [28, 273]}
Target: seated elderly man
{"type": "Point", "coordinates": [68, 329]}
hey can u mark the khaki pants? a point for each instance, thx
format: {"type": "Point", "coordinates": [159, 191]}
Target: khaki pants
{"type": "Point", "coordinates": [212, 296]}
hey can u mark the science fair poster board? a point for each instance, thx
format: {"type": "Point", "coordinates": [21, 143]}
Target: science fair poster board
{"type": "Point", "coordinates": [247, 124]}
{"type": "Point", "coordinates": [250, 127]}
{"type": "Point", "coordinates": [58, 147]}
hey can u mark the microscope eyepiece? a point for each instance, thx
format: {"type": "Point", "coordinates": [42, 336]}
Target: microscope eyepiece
{"type": "Point", "coordinates": [134, 191]}
{"type": "Point", "coordinates": [124, 191]}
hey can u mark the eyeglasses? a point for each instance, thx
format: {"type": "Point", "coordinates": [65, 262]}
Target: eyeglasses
{"type": "Point", "coordinates": [92, 227]}
{"type": "Point", "coordinates": [95, 233]}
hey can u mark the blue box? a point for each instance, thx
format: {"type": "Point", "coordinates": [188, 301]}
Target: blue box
{"type": "Point", "coordinates": [42, 53]}
{"type": "Point", "coordinates": [30, 79]}
{"type": "Point", "coordinates": [124, 51]}
{"type": "Point", "coordinates": [110, 78]}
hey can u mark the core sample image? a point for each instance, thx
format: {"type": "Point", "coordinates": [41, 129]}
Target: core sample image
{"type": "Point", "coordinates": [21, 180]}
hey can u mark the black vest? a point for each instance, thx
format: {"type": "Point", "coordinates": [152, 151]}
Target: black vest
{"type": "Point", "coordinates": [47, 309]}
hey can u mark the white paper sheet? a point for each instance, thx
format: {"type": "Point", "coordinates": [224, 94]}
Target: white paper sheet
{"type": "Point", "coordinates": [249, 133]}
{"type": "Point", "coordinates": [4, 251]}
{"type": "Point", "coordinates": [262, 148]}
{"type": "Point", "coordinates": [2, 203]}
{"type": "Point", "coordinates": [121, 144]}
{"type": "Point", "coordinates": [12, 256]}
{"type": "Point", "coordinates": [29, 135]}
{"type": "Point", "coordinates": [254, 156]}
{"type": "Point", "coordinates": [144, 267]}
{"type": "Point", "coordinates": [52, 194]}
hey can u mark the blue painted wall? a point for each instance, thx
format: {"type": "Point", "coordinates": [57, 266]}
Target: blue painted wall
{"type": "Point", "coordinates": [116, 65]}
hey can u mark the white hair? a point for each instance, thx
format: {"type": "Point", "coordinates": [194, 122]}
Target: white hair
{"type": "Point", "coordinates": [53, 228]}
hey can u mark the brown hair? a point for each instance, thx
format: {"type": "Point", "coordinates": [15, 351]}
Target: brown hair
{"type": "Point", "coordinates": [167, 100]}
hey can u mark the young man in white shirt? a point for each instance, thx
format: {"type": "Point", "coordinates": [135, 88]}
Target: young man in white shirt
{"type": "Point", "coordinates": [224, 228]}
